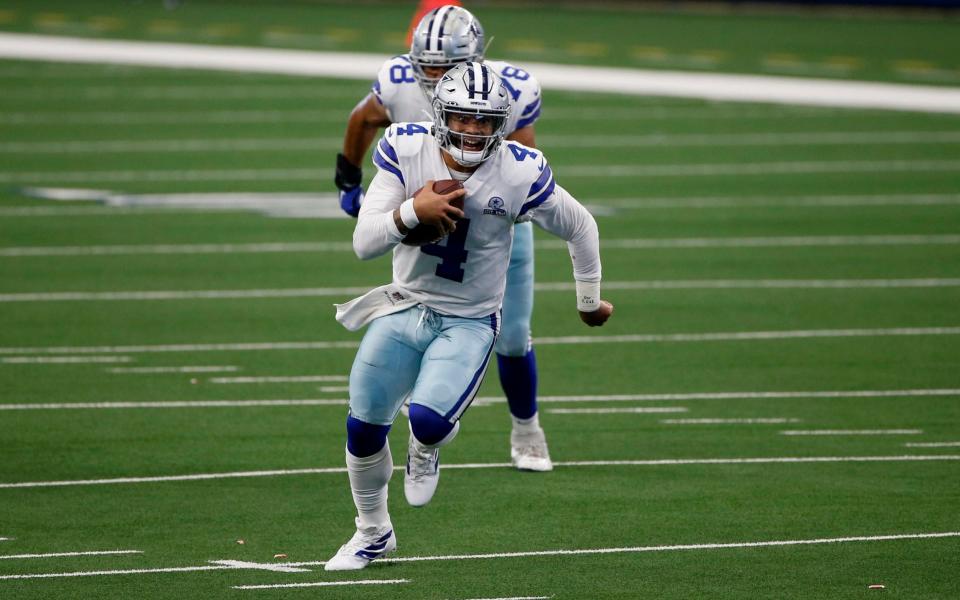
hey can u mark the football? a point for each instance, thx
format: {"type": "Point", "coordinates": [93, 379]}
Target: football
{"type": "Point", "coordinates": [427, 234]}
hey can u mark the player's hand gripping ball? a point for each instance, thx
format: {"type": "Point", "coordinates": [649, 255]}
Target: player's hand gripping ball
{"type": "Point", "coordinates": [427, 233]}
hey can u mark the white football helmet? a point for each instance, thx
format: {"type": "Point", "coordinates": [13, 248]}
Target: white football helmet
{"type": "Point", "coordinates": [444, 37]}
{"type": "Point", "coordinates": [474, 90]}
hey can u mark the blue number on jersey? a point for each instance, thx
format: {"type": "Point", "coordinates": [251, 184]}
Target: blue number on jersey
{"type": "Point", "coordinates": [452, 255]}
{"type": "Point", "coordinates": [520, 153]}
{"type": "Point", "coordinates": [401, 74]}
{"type": "Point", "coordinates": [411, 129]}
{"type": "Point", "coordinates": [515, 73]}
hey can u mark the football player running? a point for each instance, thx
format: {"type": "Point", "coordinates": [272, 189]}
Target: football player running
{"type": "Point", "coordinates": [432, 330]}
{"type": "Point", "coordinates": [402, 92]}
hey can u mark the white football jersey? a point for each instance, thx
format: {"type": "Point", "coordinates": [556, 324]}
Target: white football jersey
{"type": "Point", "coordinates": [401, 96]}
{"type": "Point", "coordinates": [465, 273]}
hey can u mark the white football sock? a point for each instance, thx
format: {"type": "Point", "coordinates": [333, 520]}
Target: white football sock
{"type": "Point", "coordinates": [531, 425]}
{"type": "Point", "coordinates": [368, 482]}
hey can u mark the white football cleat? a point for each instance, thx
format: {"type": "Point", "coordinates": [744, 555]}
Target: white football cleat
{"type": "Point", "coordinates": [528, 451]}
{"type": "Point", "coordinates": [422, 474]}
{"type": "Point", "coordinates": [366, 545]}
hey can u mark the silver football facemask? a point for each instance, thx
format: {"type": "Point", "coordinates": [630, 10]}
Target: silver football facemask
{"type": "Point", "coordinates": [470, 111]}
{"type": "Point", "coordinates": [444, 37]}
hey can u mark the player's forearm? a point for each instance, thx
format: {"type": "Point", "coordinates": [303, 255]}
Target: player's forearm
{"type": "Point", "coordinates": [376, 234]}
{"type": "Point", "coordinates": [358, 138]}
{"type": "Point", "coordinates": [378, 225]}
{"type": "Point", "coordinates": [566, 218]}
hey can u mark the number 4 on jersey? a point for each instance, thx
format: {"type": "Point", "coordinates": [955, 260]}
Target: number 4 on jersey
{"type": "Point", "coordinates": [451, 255]}
{"type": "Point", "coordinates": [520, 153]}
{"type": "Point", "coordinates": [411, 129]}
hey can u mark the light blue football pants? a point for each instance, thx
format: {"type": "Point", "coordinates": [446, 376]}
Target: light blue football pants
{"type": "Point", "coordinates": [514, 337]}
{"type": "Point", "coordinates": [439, 360]}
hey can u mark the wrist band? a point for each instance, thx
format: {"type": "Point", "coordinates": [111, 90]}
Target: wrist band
{"type": "Point", "coordinates": [588, 296]}
{"type": "Point", "coordinates": [408, 215]}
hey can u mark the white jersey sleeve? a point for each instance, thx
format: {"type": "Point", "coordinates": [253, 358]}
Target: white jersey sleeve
{"type": "Point", "coordinates": [563, 216]}
{"type": "Point", "coordinates": [524, 92]}
{"type": "Point", "coordinates": [553, 209]}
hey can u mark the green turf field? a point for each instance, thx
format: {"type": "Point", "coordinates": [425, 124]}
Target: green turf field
{"type": "Point", "coordinates": [777, 271]}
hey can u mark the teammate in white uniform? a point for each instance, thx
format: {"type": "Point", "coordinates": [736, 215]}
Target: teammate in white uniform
{"type": "Point", "coordinates": [432, 330]}
{"type": "Point", "coordinates": [402, 93]}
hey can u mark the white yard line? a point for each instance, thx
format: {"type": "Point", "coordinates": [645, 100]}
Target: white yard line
{"type": "Point", "coordinates": [64, 360]}
{"type": "Point", "coordinates": [516, 598]}
{"type": "Point", "coordinates": [747, 335]}
{"type": "Point", "coordinates": [220, 93]}
{"type": "Point", "coordinates": [187, 369]}
{"type": "Point", "coordinates": [674, 397]}
{"type": "Point", "coordinates": [6, 539]}
{"type": "Point", "coordinates": [163, 348]}
{"type": "Point", "coordinates": [831, 138]}
{"type": "Point", "coordinates": [275, 586]}
{"type": "Point", "coordinates": [184, 117]}
{"type": "Point", "coordinates": [932, 444]}
{"type": "Point", "coordinates": [495, 555]}
{"type": "Point", "coordinates": [248, 116]}
{"type": "Point", "coordinates": [66, 554]}
{"type": "Point", "coordinates": [556, 141]}
{"type": "Point", "coordinates": [761, 421]}
{"type": "Point", "coordinates": [97, 211]}
{"type": "Point", "coordinates": [707, 284]}
{"type": "Point", "coordinates": [175, 404]}
{"type": "Point", "coordinates": [677, 547]}
{"type": "Point", "coordinates": [825, 200]}
{"type": "Point", "coordinates": [596, 339]}
{"type": "Point", "coordinates": [242, 564]}
{"type": "Point", "coordinates": [117, 572]}
{"type": "Point", "coordinates": [533, 553]}
{"type": "Point", "coordinates": [710, 86]}
{"type": "Point", "coordinates": [312, 205]}
{"type": "Point", "coordinates": [472, 466]}
{"type": "Point", "coordinates": [489, 400]}
{"type": "Point", "coordinates": [292, 379]}
{"type": "Point", "coordinates": [628, 244]}
{"type": "Point", "coordinates": [177, 249]}
{"type": "Point", "coordinates": [852, 432]}
{"type": "Point", "coordinates": [589, 171]}
{"type": "Point", "coordinates": [178, 146]}
{"type": "Point", "coordinates": [736, 169]}
{"type": "Point", "coordinates": [609, 411]}
{"type": "Point", "coordinates": [766, 241]}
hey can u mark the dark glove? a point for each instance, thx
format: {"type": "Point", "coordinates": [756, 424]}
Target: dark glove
{"type": "Point", "coordinates": [347, 180]}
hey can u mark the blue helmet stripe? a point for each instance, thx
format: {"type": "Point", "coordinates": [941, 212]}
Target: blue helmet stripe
{"type": "Point", "coordinates": [440, 33]}
{"type": "Point", "coordinates": [433, 16]}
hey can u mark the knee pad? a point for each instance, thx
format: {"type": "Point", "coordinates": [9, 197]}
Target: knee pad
{"type": "Point", "coordinates": [365, 439]}
{"type": "Point", "coordinates": [430, 428]}
{"type": "Point", "coordinates": [514, 340]}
